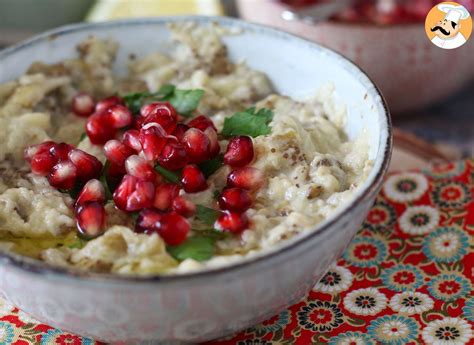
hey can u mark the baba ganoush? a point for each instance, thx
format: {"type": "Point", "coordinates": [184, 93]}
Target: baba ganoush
{"type": "Point", "coordinates": [189, 162]}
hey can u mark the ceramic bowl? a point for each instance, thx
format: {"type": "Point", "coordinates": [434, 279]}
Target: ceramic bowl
{"type": "Point", "coordinates": [399, 58]}
{"type": "Point", "coordinates": [202, 305]}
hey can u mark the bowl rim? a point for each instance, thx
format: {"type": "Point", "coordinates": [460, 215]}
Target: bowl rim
{"type": "Point", "coordinates": [37, 267]}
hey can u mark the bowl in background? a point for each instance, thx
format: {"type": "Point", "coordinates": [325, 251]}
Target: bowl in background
{"type": "Point", "coordinates": [202, 305]}
{"type": "Point", "coordinates": [399, 58]}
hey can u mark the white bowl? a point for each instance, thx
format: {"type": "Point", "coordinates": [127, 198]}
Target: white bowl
{"type": "Point", "coordinates": [203, 305]}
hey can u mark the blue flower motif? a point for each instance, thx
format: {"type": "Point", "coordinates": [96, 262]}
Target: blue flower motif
{"type": "Point", "coordinates": [446, 170]}
{"type": "Point", "coordinates": [365, 251]}
{"type": "Point", "coordinates": [402, 277]}
{"type": "Point", "coordinates": [446, 245]}
{"type": "Point", "coordinates": [7, 333]}
{"type": "Point", "coordinates": [53, 334]}
{"type": "Point", "coordinates": [350, 337]}
{"type": "Point", "coordinates": [449, 286]}
{"type": "Point", "coordinates": [272, 325]}
{"type": "Point", "coordinates": [468, 309]}
{"type": "Point", "coordinates": [393, 329]}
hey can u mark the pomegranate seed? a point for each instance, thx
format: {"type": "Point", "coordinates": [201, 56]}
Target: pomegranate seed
{"type": "Point", "coordinates": [83, 104]}
{"type": "Point", "coordinates": [60, 151]}
{"type": "Point", "coordinates": [239, 151]}
{"type": "Point", "coordinates": [93, 190]}
{"type": "Point", "coordinates": [235, 199]}
{"type": "Point", "coordinates": [153, 138]}
{"type": "Point", "coordinates": [232, 222]}
{"type": "Point", "coordinates": [248, 178]}
{"type": "Point", "coordinates": [174, 228]}
{"type": "Point", "coordinates": [173, 155]}
{"type": "Point", "coordinates": [164, 194]}
{"type": "Point", "coordinates": [88, 167]}
{"type": "Point", "coordinates": [214, 147]}
{"type": "Point", "coordinates": [162, 113]}
{"type": "Point", "coordinates": [32, 150]}
{"type": "Point", "coordinates": [140, 168]}
{"type": "Point", "coordinates": [98, 129]}
{"type": "Point", "coordinates": [123, 191]}
{"type": "Point", "coordinates": [141, 197]}
{"type": "Point", "coordinates": [90, 219]}
{"type": "Point", "coordinates": [105, 104]}
{"type": "Point", "coordinates": [202, 122]}
{"type": "Point", "coordinates": [63, 175]}
{"type": "Point", "coordinates": [148, 221]}
{"type": "Point", "coordinates": [183, 206]}
{"type": "Point", "coordinates": [193, 179]}
{"type": "Point", "coordinates": [120, 116]}
{"type": "Point", "coordinates": [179, 131]}
{"type": "Point", "coordinates": [196, 144]}
{"type": "Point", "coordinates": [117, 152]}
{"type": "Point", "coordinates": [42, 163]}
{"type": "Point", "coordinates": [131, 138]}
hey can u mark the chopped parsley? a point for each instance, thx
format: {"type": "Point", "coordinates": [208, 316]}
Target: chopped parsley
{"type": "Point", "coordinates": [251, 122]}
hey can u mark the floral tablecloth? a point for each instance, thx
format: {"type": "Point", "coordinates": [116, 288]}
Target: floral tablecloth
{"type": "Point", "coordinates": [406, 278]}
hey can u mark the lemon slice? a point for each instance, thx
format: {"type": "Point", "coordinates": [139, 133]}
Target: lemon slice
{"type": "Point", "coordinates": [116, 9]}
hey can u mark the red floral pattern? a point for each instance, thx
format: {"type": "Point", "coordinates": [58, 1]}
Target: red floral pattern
{"type": "Point", "coordinates": [395, 284]}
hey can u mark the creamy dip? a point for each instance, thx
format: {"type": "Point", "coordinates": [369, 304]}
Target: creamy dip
{"type": "Point", "coordinates": [310, 166]}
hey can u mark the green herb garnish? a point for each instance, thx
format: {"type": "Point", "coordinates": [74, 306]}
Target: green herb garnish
{"type": "Point", "coordinates": [211, 166]}
{"type": "Point", "coordinates": [78, 243]}
{"type": "Point", "coordinates": [105, 182]}
{"type": "Point", "coordinates": [184, 101]}
{"type": "Point", "coordinates": [213, 233]}
{"type": "Point", "coordinates": [171, 176]}
{"type": "Point", "coordinates": [206, 215]}
{"type": "Point", "coordinates": [199, 248]}
{"type": "Point", "coordinates": [250, 122]}
{"type": "Point", "coordinates": [83, 136]}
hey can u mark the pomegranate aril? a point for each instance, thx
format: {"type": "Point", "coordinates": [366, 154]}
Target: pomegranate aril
{"type": "Point", "coordinates": [117, 152]}
{"type": "Point", "coordinates": [120, 116]}
{"type": "Point", "coordinates": [42, 163]}
{"type": "Point", "coordinates": [90, 219]}
{"type": "Point", "coordinates": [184, 207]}
{"type": "Point", "coordinates": [232, 222]}
{"type": "Point", "coordinates": [63, 175]}
{"type": "Point", "coordinates": [83, 104]}
{"type": "Point", "coordinates": [239, 151]}
{"type": "Point", "coordinates": [173, 228]}
{"type": "Point", "coordinates": [131, 138]}
{"type": "Point", "coordinates": [140, 168]}
{"type": "Point", "coordinates": [214, 147]}
{"type": "Point", "coordinates": [106, 103]}
{"type": "Point", "coordinates": [32, 150]}
{"type": "Point", "coordinates": [202, 122]}
{"type": "Point", "coordinates": [173, 155]}
{"type": "Point", "coordinates": [235, 199]}
{"type": "Point", "coordinates": [123, 191]}
{"type": "Point", "coordinates": [248, 178]}
{"type": "Point", "coordinates": [141, 197]}
{"type": "Point", "coordinates": [60, 151]}
{"type": "Point", "coordinates": [179, 131]}
{"type": "Point", "coordinates": [148, 221]}
{"type": "Point", "coordinates": [193, 179]}
{"type": "Point", "coordinates": [196, 144]}
{"type": "Point", "coordinates": [153, 139]}
{"type": "Point", "coordinates": [162, 113]}
{"type": "Point", "coordinates": [164, 195]}
{"type": "Point", "coordinates": [99, 130]}
{"type": "Point", "coordinates": [93, 190]}
{"type": "Point", "coordinates": [88, 166]}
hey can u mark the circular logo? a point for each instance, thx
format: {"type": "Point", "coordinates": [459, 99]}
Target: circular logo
{"type": "Point", "coordinates": [448, 25]}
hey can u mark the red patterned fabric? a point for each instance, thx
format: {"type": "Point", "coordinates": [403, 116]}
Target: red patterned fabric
{"type": "Point", "coordinates": [406, 278]}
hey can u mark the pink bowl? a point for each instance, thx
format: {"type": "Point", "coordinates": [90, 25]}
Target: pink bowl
{"type": "Point", "coordinates": [408, 68]}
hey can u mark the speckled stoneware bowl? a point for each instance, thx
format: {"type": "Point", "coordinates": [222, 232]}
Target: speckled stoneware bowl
{"type": "Point", "coordinates": [203, 305]}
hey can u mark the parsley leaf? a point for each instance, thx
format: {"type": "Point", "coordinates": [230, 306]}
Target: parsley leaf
{"type": "Point", "coordinates": [250, 122]}
{"type": "Point", "coordinates": [171, 176]}
{"type": "Point", "coordinates": [184, 101]}
{"type": "Point", "coordinates": [199, 248]}
{"type": "Point", "coordinates": [78, 243]}
{"type": "Point", "coordinates": [105, 183]}
{"type": "Point", "coordinates": [206, 215]}
{"type": "Point", "coordinates": [83, 136]}
{"type": "Point", "coordinates": [213, 233]}
{"type": "Point", "coordinates": [211, 166]}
